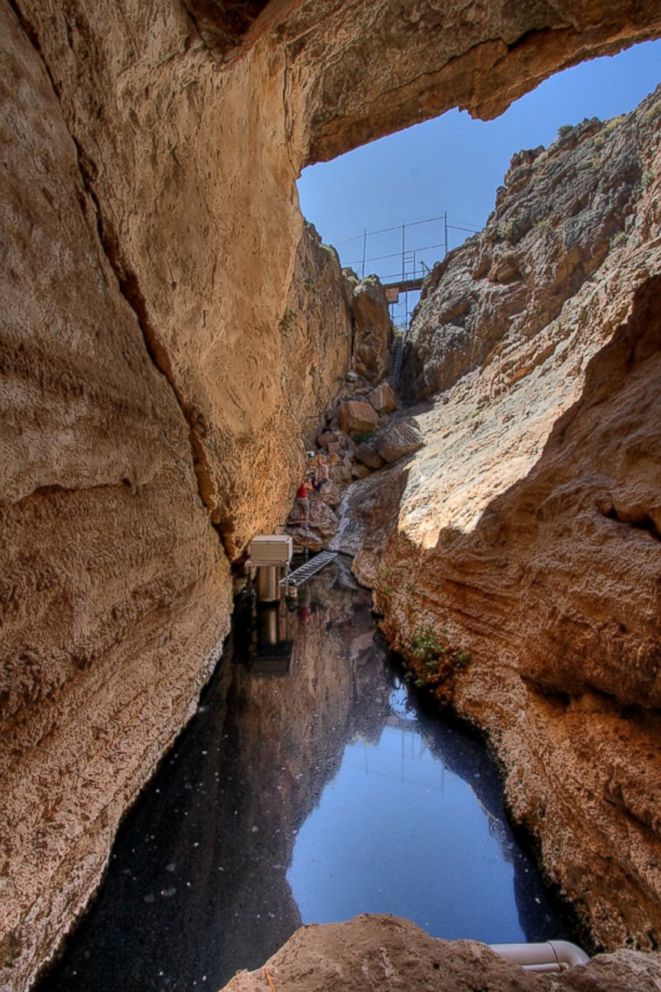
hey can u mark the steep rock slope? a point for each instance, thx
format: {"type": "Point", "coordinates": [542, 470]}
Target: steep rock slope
{"type": "Point", "coordinates": [526, 533]}
{"type": "Point", "coordinates": [151, 232]}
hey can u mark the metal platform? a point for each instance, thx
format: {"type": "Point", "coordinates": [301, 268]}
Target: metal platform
{"type": "Point", "coordinates": [310, 568]}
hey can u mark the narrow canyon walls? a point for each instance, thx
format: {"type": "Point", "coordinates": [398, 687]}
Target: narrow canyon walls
{"type": "Point", "coordinates": [525, 535]}
{"type": "Point", "coordinates": [153, 404]}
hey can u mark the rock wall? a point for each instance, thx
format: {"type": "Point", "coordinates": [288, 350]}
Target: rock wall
{"type": "Point", "coordinates": [150, 233]}
{"type": "Point", "coordinates": [524, 536]}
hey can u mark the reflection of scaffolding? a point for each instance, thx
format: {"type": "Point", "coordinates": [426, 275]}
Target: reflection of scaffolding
{"type": "Point", "coordinates": [408, 753]}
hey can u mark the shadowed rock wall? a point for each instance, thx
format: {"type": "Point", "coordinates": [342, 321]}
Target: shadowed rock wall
{"type": "Point", "coordinates": [150, 229]}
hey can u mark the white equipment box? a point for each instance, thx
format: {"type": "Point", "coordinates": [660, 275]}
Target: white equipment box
{"type": "Point", "coordinates": [271, 549]}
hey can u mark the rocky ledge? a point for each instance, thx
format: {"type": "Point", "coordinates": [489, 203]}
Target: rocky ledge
{"type": "Point", "coordinates": [388, 954]}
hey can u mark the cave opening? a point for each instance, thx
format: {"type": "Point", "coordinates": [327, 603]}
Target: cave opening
{"type": "Point", "coordinates": [396, 206]}
{"type": "Point", "coordinates": [153, 148]}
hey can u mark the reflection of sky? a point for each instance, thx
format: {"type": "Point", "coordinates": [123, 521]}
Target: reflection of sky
{"type": "Point", "coordinates": [359, 851]}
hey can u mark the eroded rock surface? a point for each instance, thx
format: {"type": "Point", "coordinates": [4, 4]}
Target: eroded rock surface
{"type": "Point", "coordinates": [371, 953]}
{"type": "Point", "coordinates": [151, 237]}
{"type": "Point", "coordinates": [372, 330]}
{"type": "Point", "coordinates": [525, 533]}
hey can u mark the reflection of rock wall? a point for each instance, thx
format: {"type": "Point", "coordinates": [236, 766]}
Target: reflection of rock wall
{"type": "Point", "coordinates": [150, 233]}
{"type": "Point", "coordinates": [535, 544]}
{"type": "Point", "coordinates": [291, 735]}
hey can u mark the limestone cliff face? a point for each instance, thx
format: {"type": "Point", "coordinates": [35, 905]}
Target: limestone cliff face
{"type": "Point", "coordinates": [150, 236]}
{"type": "Point", "coordinates": [525, 533]}
{"type": "Point", "coordinates": [317, 333]}
{"type": "Point", "coordinates": [566, 217]}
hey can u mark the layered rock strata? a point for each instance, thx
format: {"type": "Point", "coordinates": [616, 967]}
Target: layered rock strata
{"type": "Point", "coordinates": [521, 570]}
{"type": "Point", "coordinates": [151, 231]}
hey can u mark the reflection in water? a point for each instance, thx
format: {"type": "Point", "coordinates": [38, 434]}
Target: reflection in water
{"type": "Point", "coordinates": [308, 787]}
{"type": "Point", "coordinates": [448, 868]}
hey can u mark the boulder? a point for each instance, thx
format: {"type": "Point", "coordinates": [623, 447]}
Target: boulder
{"type": "Point", "coordinates": [341, 473]}
{"type": "Point", "coordinates": [368, 455]}
{"type": "Point", "coordinates": [401, 438]}
{"type": "Point", "coordinates": [325, 438]}
{"type": "Point", "coordinates": [358, 417]}
{"type": "Point", "coordinates": [330, 494]}
{"type": "Point", "coordinates": [372, 329]}
{"type": "Point", "coordinates": [360, 471]}
{"type": "Point", "coordinates": [383, 398]}
{"type": "Point", "coordinates": [402, 956]}
{"type": "Point", "coordinates": [320, 528]}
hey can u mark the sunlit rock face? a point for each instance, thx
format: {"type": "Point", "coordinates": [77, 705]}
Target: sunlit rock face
{"type": "Point", "coordinates": [151, 233]}
{"type": "Point", "coordinates": [526, 531]}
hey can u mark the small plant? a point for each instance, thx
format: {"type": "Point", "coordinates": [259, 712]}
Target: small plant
{"type": "Point", "coordinates": [434, 661]}
{"type": "Point", "coordinates": [542, 224]}
{"type": "Point", "coordinates": [564, 130]}
{"type": "Point", "coordinates": [506, 231]}
{"type": "Point", "coordinates": [618, 239]}
{"type": "Point", "coordinates": [648, 179]}
{"type": "Point", "coordinates": [330, 250]}
{"type": "Point", "coordinates": [653, 111]}
{"type": "Point", "coordinates": [361, 438]}
{"type": "Point", "coordinates": [614, 121]}
{"type": "Point", "coordinates": [426, 645]}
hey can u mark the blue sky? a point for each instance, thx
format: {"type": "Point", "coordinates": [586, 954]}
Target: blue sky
{"type": "Point", "coordinates": [455, 164]}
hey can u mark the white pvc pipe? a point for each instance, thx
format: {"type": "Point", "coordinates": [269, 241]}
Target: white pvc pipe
{"type": "Point", "coordinates": [553, 955]}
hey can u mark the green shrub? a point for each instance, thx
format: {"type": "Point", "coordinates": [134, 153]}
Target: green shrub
{"type": "Point", "coordinates": [435, 659]}
{"type": "Point", "coordinates": [425, 644]}
{"type": "Point", "coordinates": [614, 121]}
{"type": "Point", "coordinates": [653, 111]}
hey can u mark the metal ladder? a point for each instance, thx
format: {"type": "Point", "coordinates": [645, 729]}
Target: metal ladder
{"type": "Point", "coordinates": [396, 359]}
{"type": "Point", "coordinates": [310, 568]}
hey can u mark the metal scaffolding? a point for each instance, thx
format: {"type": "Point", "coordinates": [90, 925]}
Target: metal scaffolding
{"type": "Point", "coordinates": [403, 287]}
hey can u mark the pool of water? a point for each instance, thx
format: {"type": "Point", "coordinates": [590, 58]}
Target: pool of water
{"type": "Point", "coordinates": [310, 786]}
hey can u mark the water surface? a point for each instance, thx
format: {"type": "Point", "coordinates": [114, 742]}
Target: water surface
{"type": "Point", "coordinates": [309, 787]}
